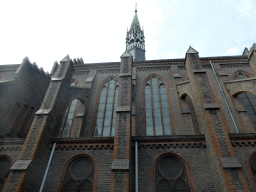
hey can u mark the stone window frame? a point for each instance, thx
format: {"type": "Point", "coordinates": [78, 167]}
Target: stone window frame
{"type": "Point", "coordinates": [183, 174]}
{"type": "Point", "coordinates": [67, 115]}
{"type": "Point", "coordinates": [68, 173]}
{"type": "Point", "coordinates": [191, 111]}
{"type": "Point", "coordinates": [4, 177]}
{"type": "Point", "coordinates": [246, 74]}
{"type": "Point", "coordinates": [164, 83]}
{"type": "Point", "coordinates": [105, 84]}
{"type": "Point", "coordinates": [18, 120]}
{"type": "Point", "coordinates": [247, 96]}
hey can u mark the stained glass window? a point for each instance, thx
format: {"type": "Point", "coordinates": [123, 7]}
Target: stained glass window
{"type": "Point", "coordinates": [157, 112]}
{"type": "Point", "coordinates": [106, 117]}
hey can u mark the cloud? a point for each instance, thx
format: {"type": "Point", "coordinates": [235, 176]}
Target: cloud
{"type": "Point", "coordinates": [231, 51]}
{"type": "Point", "coordinates": [244, 7]}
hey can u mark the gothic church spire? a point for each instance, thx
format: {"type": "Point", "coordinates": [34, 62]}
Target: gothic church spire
{"type": "Point", "coordinates": [135, 42]}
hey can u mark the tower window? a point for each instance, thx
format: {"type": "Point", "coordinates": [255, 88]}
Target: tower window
{"type": "Point", "coordinates": [157, 112]}
{"type": "Point", "coordinates": [106, 117]}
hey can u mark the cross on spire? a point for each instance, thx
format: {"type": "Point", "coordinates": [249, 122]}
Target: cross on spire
{"type": "Point", "coordinates": [135, 7]}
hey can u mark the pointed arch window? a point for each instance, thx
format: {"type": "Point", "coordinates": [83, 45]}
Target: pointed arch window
{"type": "Point", "coordinates": [79, 176]}
{"type": "Point", "coordinates": [248, 100]}
{"type": "Point", "coordinates": [5, 166]}
{"type": "Point", "coordinates": [171, 175]}
{"type": "Point", "coordinates": [241, 75]}
{"type": "Point", "coordinates": [253, 166]}
{"type": "Point", "coordinates": [10, 119]}
{"type": "Point", "coordinates": [106, 117]}
{"type": "Point", "coordinates": [156, 104]}
{"type": "Point", "coordinates": [69, 116]}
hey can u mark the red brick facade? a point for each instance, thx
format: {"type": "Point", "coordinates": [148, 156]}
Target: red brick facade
{"type": "Point", "coordinates": [212, 125]}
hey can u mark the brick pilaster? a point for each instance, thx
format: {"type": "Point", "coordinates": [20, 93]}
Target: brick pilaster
{"type": "Point", "coordinates": [252, 57]}
{"type": "Point", "coordinates": [36, 148]}
{"type": "Point", "coordinates": [227, 172]}
{"type": "Point", "coordinates": [122, 142]}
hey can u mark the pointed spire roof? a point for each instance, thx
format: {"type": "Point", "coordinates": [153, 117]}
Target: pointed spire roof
{"type": "Point", "coordinates": [126, 54]}
{"type": "Point", "coordinates": [65, 59]}
{"type": "Point", "coordinates": [191, 50]}
{"type": "Point", "coordinates": [246, 51]}
{"type": "Point", "coordinates": [135, 22]}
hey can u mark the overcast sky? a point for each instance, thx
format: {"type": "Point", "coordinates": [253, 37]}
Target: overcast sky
{"type": "Point", "coordinates": [46, 31]}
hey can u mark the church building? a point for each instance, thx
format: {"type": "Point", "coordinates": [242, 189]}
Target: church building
{"type": "Point", "coordinates": [173, 125]}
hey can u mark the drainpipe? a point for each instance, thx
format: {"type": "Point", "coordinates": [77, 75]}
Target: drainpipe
{"type": "Point", "coordinates": [136, 168]}
{"type": "Point", "coordinates": [232, 117]}
{"type": "Point", "coordinates": [47, 168]}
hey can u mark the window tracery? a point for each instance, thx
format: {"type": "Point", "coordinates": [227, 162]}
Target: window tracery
{"type": "Point", "coordinates": [79, 176]}
{"type": "Point", "coordinates": [171, 175]}
{"type": "Point", "coordinates": [106, 117]}
{"type": "Point", "coordinates": [157, 111]}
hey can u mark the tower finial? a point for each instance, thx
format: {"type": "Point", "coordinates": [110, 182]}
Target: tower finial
{"type": "Point", "coordinates": [135, 7]}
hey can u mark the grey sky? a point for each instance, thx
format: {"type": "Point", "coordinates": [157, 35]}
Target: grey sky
{"type": "Point", "coordinates": [46, 31]}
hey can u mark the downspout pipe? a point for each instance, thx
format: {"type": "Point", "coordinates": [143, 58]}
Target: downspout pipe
{"type": "Point", "coordinates": [136, 168]}
{"type": "Point", "coordinates": [47, 168]}
{"type": "Point", "coordinates": [231, 114]}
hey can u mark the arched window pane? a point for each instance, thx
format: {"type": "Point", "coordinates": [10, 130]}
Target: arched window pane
{"type": "Point", "coordinates": [70, 186]}
{"type": "Point", "coordinates": [149, 119]}
{"type": "Point", "coordinates": [156, 104]}
{"type": "Point", "coordinates": [114, 114]}
{"type": "Point", "coordinates": [157, 112]}
{"type": "Point", "coordinates": [164, 185]}
{"type": "Point", "coordinates": [105, 125]}
{"type": "Point", "coordinates": [165, 111]}
{"type": "Point", "coordinates": [180, 185]}
{"type": "Point", "coordinates": [249, 100]}
{"type": "Point", "coordinates": [85, 186]}
{"type": "Point", "coordinates": [68, 119]}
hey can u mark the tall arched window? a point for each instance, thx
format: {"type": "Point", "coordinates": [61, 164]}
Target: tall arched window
{"type": "Point", "coordinates": [157, 112]}
{"type": "Point", "coordinates": [12, 132]}
{"type": "Point", "coordinates": [253, 166]}
{"type": "Point", "coordinates": [248, 100]}
{"type": "Point", "coordinates": [79, 176]}
{"type": "Point", "coordinates": [171, 175]}
{"type": "Point", "coordinates": [10, 119]}
{"type": "Point", "coordinates": [5, 166]}
{"type": "Point", "coordinates": [106, 117]}
{"type": "Point", "coordinates": [189, 115]}
{"type": "Point", "coordinates": [69, 116]}
{"type": "Point", "coordinates": [24, 127]}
